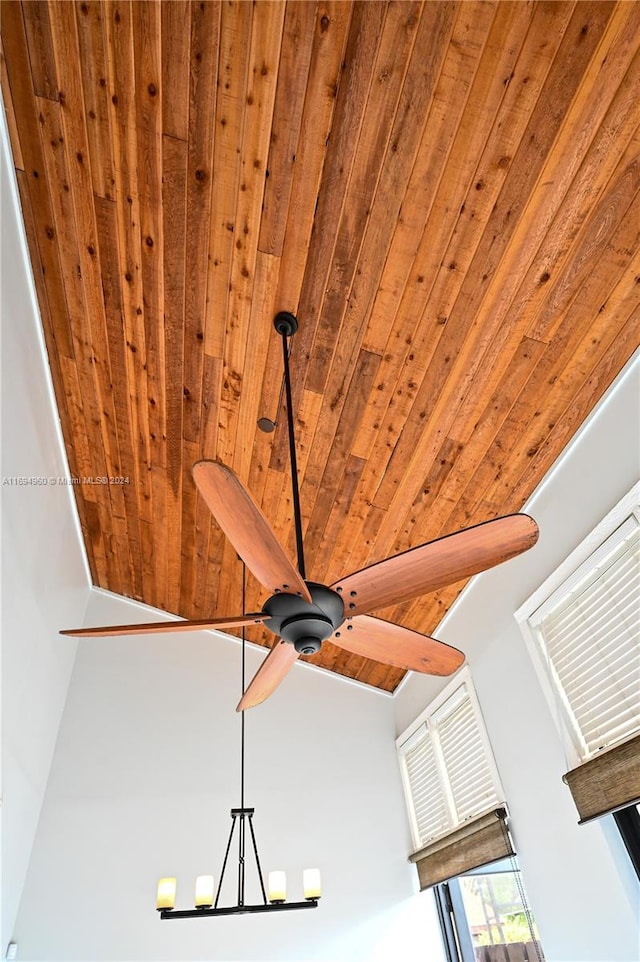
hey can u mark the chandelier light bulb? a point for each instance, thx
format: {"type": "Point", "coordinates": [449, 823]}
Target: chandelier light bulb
{"type": "Point", "coordinates": [166, 893]}
{"type": "Point", "coordinates": [277, 886]}
{"type": "Point", "coordinates": [311, 883]}
{"type": "Point", "coordinates": [204, 891]}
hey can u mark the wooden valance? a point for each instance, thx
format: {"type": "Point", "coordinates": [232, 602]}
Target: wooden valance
{"type": "Point", "coordinates": [478, 842]}
{"type": "Point", "coordinates": [607, 782]}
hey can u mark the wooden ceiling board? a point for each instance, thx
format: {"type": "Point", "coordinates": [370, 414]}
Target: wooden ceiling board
{"type": "Point", "coordinates": [445, 193]}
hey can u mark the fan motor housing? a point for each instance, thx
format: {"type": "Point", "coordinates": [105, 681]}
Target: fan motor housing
{"type": "Point", "coordinates": [302, 624]}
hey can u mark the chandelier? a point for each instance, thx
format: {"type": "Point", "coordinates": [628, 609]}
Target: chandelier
{"type": "Point", "coordinates": [207, 897]}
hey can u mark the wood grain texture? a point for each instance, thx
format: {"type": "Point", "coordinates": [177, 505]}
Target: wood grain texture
{"type": "Point", "coordinates": [269, 675]}
{"type": "Point", "coordinates": [163, 627]}
{"type": "Point", "coordinates": [437, 564]}
{"type": "Point", "coordinates": [247, 528]}
{"type": "Point", "coordinates": [396, 645]}
{"type": "Point", "coordinates": [445, 193]}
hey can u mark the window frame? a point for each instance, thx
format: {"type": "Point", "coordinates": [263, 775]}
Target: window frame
{"type": "Point", "coordinates": [412, 734]}
{"type": "Point", "coordinates": [557, 585]}
{"type": "Point", "coordinates": [628, 824]}
{"type": "Point", "coordinates": [456, 937]}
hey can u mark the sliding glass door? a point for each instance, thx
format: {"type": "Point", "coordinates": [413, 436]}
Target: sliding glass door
{"type": "Point", "coordinates": [486, 918]}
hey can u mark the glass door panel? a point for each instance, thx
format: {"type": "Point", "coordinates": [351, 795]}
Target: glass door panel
{"type": "Point", "coordinates": [501, 928]}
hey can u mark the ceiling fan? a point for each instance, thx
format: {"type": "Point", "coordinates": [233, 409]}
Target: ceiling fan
{"type": "Point", "coordinates": [303, 614]}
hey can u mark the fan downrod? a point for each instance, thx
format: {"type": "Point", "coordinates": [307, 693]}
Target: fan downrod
{"type": "Point", "coordinates": [285, 323]}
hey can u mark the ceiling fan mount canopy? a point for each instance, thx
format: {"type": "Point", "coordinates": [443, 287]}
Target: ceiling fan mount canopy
{"type": "Point", "coordinates": [303, 624]}
{"type": "Point", "coordinates": [285, 323]}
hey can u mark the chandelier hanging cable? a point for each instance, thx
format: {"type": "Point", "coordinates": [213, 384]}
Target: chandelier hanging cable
{"type": "Point", "coordinates": [205, 905]}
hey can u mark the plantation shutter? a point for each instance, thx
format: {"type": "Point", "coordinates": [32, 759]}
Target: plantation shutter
{"type": "Point", "coordinates": [589, 632]}
{"type": "Point", "coordinates": [452, 795]}
{"type": "Point", "coordinates": [592, 639]}
{"type": "Point", "coordinates": [466, 763]}
{"type": "Point", "coordinates": [429, 807]}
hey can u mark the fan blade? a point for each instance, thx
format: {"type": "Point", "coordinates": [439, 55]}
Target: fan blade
{"type": "Point", "coordinates": [395, 645]}
{"type": "Point", "coordinates": [247, 528]}
{"type": "Point", "coordinates": [437, 564]}
{"type": "Point", "coordinates": [271, 672]}
{"type": "Point", "coordinates": [168, 626]}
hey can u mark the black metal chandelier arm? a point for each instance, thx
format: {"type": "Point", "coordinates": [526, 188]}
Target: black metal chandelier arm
{"type": "Point", "coordinates": [286, 325]}
{"type": "Point", "coordinates": [236, 910]}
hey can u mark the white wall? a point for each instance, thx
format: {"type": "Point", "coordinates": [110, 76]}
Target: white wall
{"type": "Point", "coordinates": [44, 579]}
{"type": "Point", "coordinates": [582, 890]}
{"type": "Point", "coordinates": [145, 772]}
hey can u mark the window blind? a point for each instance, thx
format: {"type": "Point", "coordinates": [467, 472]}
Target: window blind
{"type": "Point", "coordinates": [590, 635]}
{"type": "Point", "coordinates": [478, 842]}
{"type": "Point", "coordinates": [607, 782]}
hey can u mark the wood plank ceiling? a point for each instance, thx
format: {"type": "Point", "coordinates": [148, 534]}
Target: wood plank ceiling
{"type": "Point", "coordinates": [445, 193]}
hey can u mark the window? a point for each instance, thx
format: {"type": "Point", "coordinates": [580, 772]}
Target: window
{"type": "Point", "coordinates": [459, 825]}
{"type": "Point", "coordinates": [583, 631]}
{"type": "Point", "coordinates": [485, 916]}
{"type": "Point", "coordinates": [448, 770]}
{"type": "Point", "coordinates": [584, 634]}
